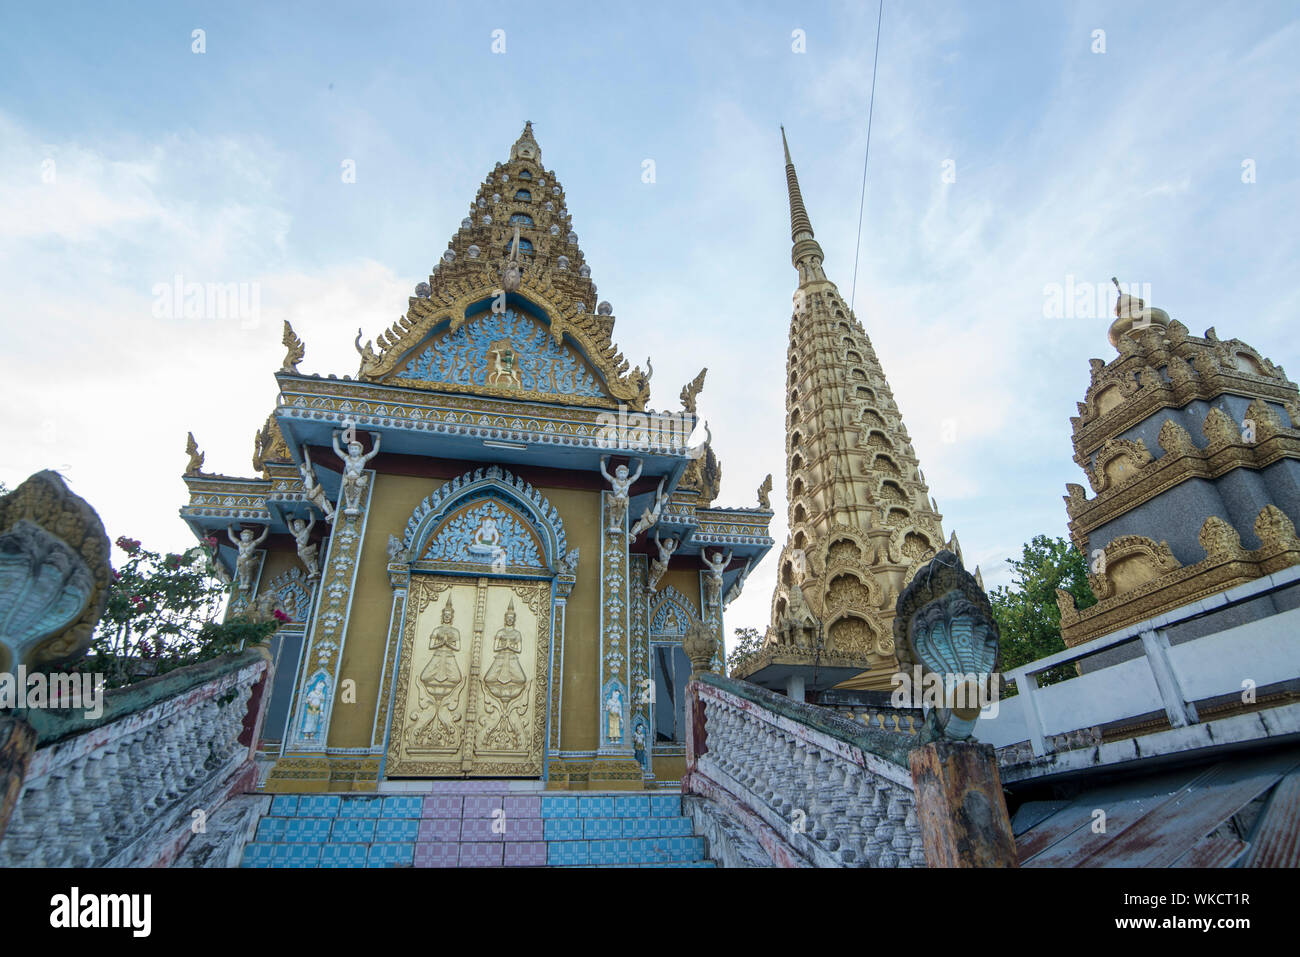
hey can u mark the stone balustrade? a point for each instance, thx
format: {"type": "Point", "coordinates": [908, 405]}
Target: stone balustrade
{"type": "Point", "coordinates": [123, 789]}
{"type": "Point", "coordinates": [810, 787]}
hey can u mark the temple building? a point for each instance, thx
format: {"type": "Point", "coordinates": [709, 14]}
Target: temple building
{"type": "Point", "coordinates": [1215, 508]}
{"type": "Point", "coordinates": [490, 546]}
{"type": "Point", "coordinates": [861, 517]}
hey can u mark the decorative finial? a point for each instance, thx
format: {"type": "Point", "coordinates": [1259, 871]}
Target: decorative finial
{"type": "Point", "coordinates": [294, 349]}
{"type": "Point", "coordinates": [764, 491]}
{"type": "Point", "coordinates": [196, 457]}
{"type": "Point", "coordinates": [691, 390]}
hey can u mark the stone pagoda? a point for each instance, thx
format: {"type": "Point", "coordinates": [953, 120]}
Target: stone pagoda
{"type": "Point", "coordinates": [1191, 449]}
{"type": "Point", "coordinates": [861, 517]}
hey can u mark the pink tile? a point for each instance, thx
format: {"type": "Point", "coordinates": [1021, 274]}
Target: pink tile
{"type": "Point", "coordinates": [481, 829]}
{"type": "Point", "coordinates": [526, 855]}
{"type": "Point", "coordinates": [441, 806]}
{"type": "Point", "coordinates": [524, 829]}
{"type": "Point", "coordinates": [481, 805]}
{"type": "Point", "coordinates": [435, 829]}
{"type": "Point", "coordinates": [436, 855]}
{"type": "Point", "coordinates": [517, 807]}
{"type": "Point", "coordinates": [481, 855]}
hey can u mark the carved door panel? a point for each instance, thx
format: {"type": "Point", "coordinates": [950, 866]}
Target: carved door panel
{"type": "Point", "coordinates": [471, 690]}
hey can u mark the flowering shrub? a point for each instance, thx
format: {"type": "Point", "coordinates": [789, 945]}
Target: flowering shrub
{"type": "Point", "coordinates": [163, 614]}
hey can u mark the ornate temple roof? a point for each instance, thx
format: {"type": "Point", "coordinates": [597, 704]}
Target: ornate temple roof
{"type": "Point", "coordinates": [516, 238]}
{"type": "Point", "coordinates": [861, 518]}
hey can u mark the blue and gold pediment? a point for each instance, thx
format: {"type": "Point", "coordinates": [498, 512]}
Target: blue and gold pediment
{"type": "Point", "coordinates": [486, 532]}
{"type": "Point", "coordinates": [510, 352]}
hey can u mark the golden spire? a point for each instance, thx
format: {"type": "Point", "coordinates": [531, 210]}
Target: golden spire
{"type": "Point", "coordinates": [806, 255]}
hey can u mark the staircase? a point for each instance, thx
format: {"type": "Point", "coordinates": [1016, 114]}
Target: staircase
{"type": "Point", "coordinates": [484, 824]}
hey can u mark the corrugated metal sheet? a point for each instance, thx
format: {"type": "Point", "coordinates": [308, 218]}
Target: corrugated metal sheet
{"type": "Point", "coordinates": [1213, 852]}
{"type": "Point", "coordinates": [1162, 820]}
{"type": "Point", "coordinates": [1276, 841]}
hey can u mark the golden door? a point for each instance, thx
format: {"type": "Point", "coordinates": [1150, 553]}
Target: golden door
{"type": "Point", "coordinates": [471, 690]}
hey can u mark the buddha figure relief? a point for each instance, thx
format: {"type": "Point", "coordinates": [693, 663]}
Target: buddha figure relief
{"type": "Point", "coordinates": [440, 677]}
{"type": "Point", "coordinates": [505, 680]}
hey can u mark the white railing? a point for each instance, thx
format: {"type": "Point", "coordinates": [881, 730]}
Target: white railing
{"type": "Point", "coordinates": [814, 789]}
{"type": "Point", "coordinates": [1164, 678]}
{"type": "Point", "coordinates": [124, 792]}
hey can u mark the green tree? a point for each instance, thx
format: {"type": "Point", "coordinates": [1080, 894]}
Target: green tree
{"type": "Point", "coordinates": [1027, 613]}
{"type": "Point", "coordinates": [749, 642]}
{"type": "Point", "coordinates": [162, 614]}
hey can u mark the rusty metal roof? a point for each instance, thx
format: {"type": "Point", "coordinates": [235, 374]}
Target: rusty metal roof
{"type": "Point", "coordinates": [1171, 819]}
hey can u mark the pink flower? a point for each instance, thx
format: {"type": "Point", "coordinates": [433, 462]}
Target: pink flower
{"type": "Point", "coordinates": [128, 545]}
{"type": "Point", "coordinates": [281, 616]}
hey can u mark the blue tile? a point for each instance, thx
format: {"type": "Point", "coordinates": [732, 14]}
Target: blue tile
{"type": "Point", "coordinates": [361, 807]}
{"type": "Point", "coordinates": [352, 831]}
{"type": "Point", "coordinates": [306, 829]}
{"type": "Point", "coordinates": [403, 806]}
{"type": "Point", "coordinates": [284, 805]}
{"type": "Point", "coordinates": [567, 853]}
{"type": "Point", "coordinates": [657, 827]}
{"type": "Point", "coordinates": [637, 805]}
{"type": "Point", "coordinates": [318, 805]}
{"type": "Point", "coordinates": [666, 805]}
{"type": "Point", "coordinates": [596, 807]}
{"type": "Point", "coordinates": [257, 855]}
{"type": "Point", "coordinates": [343, 855]}
{"type": "Point", "coordinates": [295, 855]}
{"type": "Point", "coordinates": [391, 855]}
{"type": "Point", "coordinates": [271, 829]}
{"type": "Point", "coordinates": [556, 805]}
{"type": "Point", "coordinates": [595, 828]}
{"type": "Point", "coordinates": [396, 830]}
{"type": "Point", "coordinates": [610, 852]}
{"type": "Point", "coordinates": [564, 829]}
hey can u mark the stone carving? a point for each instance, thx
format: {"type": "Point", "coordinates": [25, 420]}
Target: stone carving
{"type": "Point", "coordinates": [294, 350]}
{"type": "Point", "coordinates": [716, 565]}
{"type": "Point", "coordinates": [354, 479]}
{"type": "Point", "coordinates": [614, 716]}
{"type": "Point", "coordinates": [315, 493]}
{"type": "Point", "coordinates": [246, 560]}
{"type": "Point", "coordinates": [315, 706]}
{"type": "Point", "coordinates": [700, 642]}
{"type": "Point", "coordinates": [1175, 440]}
{"type": "Point", "coordinates": [797, 627]}
{"type": "Point", "coordinates": [512, 272]}
{"type": "Point", "coordinates": [569, 563]}
{"type": "Point", "coordinates": [397, 552]}
{"type": "Point", "coordinates": [306, 547]}
{"type": "Point", "coordinates": [54, 573]}
{"type": "Point", "coordinates": [650, 516]}
{"type": "Point", "coordinates": [944, 622]}
{"type": "Point", "coordinates": [764, 491]}
{"type": "Point", "coordinates": [1217, 537]}
{"type": "Point", "coordinates": [195, 465]}
{"type": "Point", "coordinates": [620, 482]}
{"type": "Point", "coordinates": [487, 533]}
{"type": "Point", "coordinates": [660, 564]}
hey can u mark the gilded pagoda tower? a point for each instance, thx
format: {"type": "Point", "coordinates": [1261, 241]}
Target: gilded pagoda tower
{"type": "Point", "coordinates": [1191, 448]}
{"type": "Point", "coordinates": [861, 517]}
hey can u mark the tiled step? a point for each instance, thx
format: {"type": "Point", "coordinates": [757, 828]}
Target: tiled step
{"type": "Point", "coordinates": [462, 829]}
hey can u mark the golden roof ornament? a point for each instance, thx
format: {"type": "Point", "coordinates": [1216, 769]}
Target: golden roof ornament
{"type": "Point", "coordinates": [691, 390]}
{"type": "Point", "coordinates": [1133, 317]}
{"type": "Point", "coordinates": [294, 350]}
{"type": "Point", "coordinates": [196, 457]}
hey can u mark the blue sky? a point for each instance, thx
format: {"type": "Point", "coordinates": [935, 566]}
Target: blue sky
{"type": "Point", "coordinates": [225, 167]}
